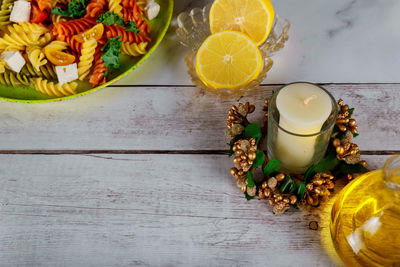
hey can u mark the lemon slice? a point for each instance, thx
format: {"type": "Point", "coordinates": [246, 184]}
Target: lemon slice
{"type": "Point", "coordinates": [228, 59]}
{"type": "Point", "coordinates": [252, 17]}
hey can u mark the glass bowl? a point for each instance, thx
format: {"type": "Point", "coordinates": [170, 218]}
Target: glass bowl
{"type": "Point", "coordinates": [194, 28]}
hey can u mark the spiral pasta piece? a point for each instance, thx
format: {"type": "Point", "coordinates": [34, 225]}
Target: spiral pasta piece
{"type": "Point", "coordinates": [46, 71]}
{"type": "Point", "coordinates": [36, 57]}
{"type": "Point", "coordinates": [11, 78]}
{"type": "Point", "coordinates": [132, 13]}
{"type": "Point", "coordinates": [32, 28]}
{"type": "Point", "coordinates": [141, 3]}
{"type": "Point", "coordinates": [5, 12]}
{"type": "Point", "coordinates": [45, 39]}
{"type": "Point", "coordinates": [127, 36]}
{"type": "Point", "coordinates": [3, 65]}
{"type": "Point", "coordinates": [54, 89]}
{"type": "Point", "coordinates": [99, 69]}
{"type": "Point", "coordinates": [68, 28]}
{"type": "Point", "coordinates": [132, 3]}
{"type": "Point", "coordinates": [115, 6]}
{"type": "Point", "coordinates": [64, 2]}
{"type": "Point", "coordinates": [73, 44]}
{"type": "Point", "coordinates": [58, 45]}
{"type": "Point", "coordinates": [95, 8]}
{"type": "Point", "coordinates": [133, 49]}
{"type": "Point", "coordinates": [21, 35]}
{"type": "Point", "coordinates": [86, 58]}
{"type": "Point", "coordinates": [58, 18]}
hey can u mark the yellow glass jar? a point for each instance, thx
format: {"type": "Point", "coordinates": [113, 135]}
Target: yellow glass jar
{"type": "Point", "coordinates": [365, 219]}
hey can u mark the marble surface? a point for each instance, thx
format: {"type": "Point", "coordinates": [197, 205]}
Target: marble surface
{"type": "Point", "coordinates": [339, 41]}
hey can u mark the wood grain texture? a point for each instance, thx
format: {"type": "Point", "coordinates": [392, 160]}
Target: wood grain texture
{"type": "Point", "coordinates": [147, 210]}
{"type": "Point", "coordinates": [174, 118]}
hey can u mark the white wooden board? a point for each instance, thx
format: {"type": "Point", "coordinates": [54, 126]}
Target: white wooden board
{"type": "Point", "coordinates": [173, 118]}
{"type": "Point", "coordinates": [148, 210]}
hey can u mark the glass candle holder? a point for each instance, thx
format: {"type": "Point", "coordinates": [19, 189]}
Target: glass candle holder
{"type": "Point", "coordinates": [298, 151]}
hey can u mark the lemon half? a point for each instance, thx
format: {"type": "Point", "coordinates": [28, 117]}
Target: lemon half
{"type": "Point", "coordinates": [252, 17]}
{"type": "Point", "coordinates": [228, 59]}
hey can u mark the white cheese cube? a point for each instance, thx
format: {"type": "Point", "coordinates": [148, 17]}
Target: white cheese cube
{"type": "Point", "coordinates": [14, 60]}
{"type": "Point", "coordinates": [68, 73]}
{"type": "Point", "coordinates": [152, 9]}
{"type": "Point", "coordinates": [21, 11]}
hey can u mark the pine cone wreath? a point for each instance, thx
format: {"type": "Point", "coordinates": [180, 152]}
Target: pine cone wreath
{"type": "Point", "coordinates": [346, 150]}
{"type": "Point", "coordinates": [237, 119]}
{"type": "Point", "coordinates": [344, 121]}
{"type": "Point", "coordinates": [270, 189]}
{"type": "Point", "coordinates": [319, 189]}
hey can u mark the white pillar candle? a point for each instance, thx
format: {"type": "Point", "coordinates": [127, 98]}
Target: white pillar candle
{"type": "Point", "coordinates": [303, 109]}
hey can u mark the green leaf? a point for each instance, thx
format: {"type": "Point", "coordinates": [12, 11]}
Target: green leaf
{"type": "Point", "coordinates": [110, 18]}
{"type": "Point", "coordinates": [288, 185]}
{"type": "Point", "coordinates": [75, 9]}
{"type": "Point", "coordinates": [301, 191]}
{"type": "Point", "coordinates": [328, 163]}
{"type": "Point", "coordinates": [309, 172]}
{"type": "Point", "coordinates": [259, 158]}
{"type": "Point", "coordinates": [248, 197]}
{"type": "Point", "coordinates": [351, 110]}
{"type": "Point", "coordinates": [344, 168]}
{"type": "Point", "coordinates": [111, 51]}
{"type": "Point", "coordinates": [253, 130]}
{"type": "Point", "coordinates": [273, 166]}
{"type": "Point", "coordinates": [59, 11]}
{"type": "Point", "coordinates": [355, 135]}
{"type": "Point", "coordinates": [132, 27]}
{"type": "Point", "coordinates": [250, 180]}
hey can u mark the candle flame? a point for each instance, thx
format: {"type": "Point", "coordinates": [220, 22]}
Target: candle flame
{"type": "Point", "coordinates": [308, 99]}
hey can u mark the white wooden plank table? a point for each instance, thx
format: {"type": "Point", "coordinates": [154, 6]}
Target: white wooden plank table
{"type": "Point", "coordinates": [138, 173]}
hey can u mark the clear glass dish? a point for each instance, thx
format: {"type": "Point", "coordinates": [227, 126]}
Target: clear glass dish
{"type": "Point", "coordinates": [194, 28]}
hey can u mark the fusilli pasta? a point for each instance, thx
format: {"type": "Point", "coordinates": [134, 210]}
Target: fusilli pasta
{"type": "Point", "coordinates": [99, 69]}
{"type": "Point", "coordinates": [133, 49]}
{"type": "Point", "coordinates": [141, 3]}
{"type": "Point", "coordinates": [68, 28]}
{"type": "Point", "coordinates": [45, 71]}
{"type": "Point", "coordinates": [36, 57]}
{"type": "Point", "coordinates": [13, 79]}
{"type": "Point", "coordinates": [127, 36]}
{"type": "Point", "coordinates": [58, 45]}
{"type": "Point", "coordinates": [3, 65]}
{"type": "Point", "coordinates": [54, 89]}
{"type": "Point", "coordinates": [58, 18]}
{"type": "Point", "coordinates": [60, 33]}
{"type": "Point", "coordinates": [95, 7]}
{"type": "Point", "coordinates": [86, 58]}
{"type": "Point", "coordinates": [115, 6]}
{"type": "Point", "coordinates": [5, 12]}
{"type": "Point", "coordinates": [73, 44]}
{"type": "Point", "coordinates": [21, 35]}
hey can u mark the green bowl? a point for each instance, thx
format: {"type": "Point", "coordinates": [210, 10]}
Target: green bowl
{"type": "Point", "coordinates": [158, 28]}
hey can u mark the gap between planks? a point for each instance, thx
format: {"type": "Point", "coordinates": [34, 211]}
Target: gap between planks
{"type": "Point", "coordinates": [149, 152]}
{"type": "Point", "coordinates": [263, 84]}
